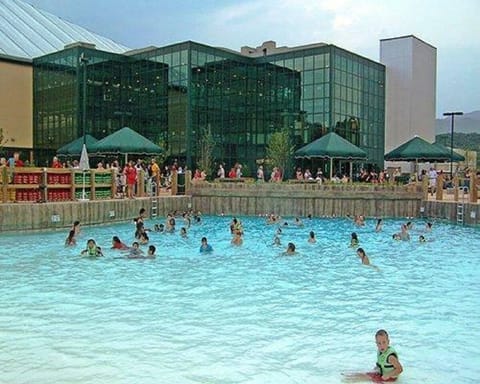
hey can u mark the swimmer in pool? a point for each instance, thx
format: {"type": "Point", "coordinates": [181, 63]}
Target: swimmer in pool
{"type": "Point", "coordinates": [205, 247]}
{"type": "Point", "coordinates": [70, 240]}
{"type": "Point", "coordinates": [92, 250]}
{"type": "Point", "coordinates": [388, 366]}
{"type": "Point", "coordinates": [276, 241]}
{"type": "Point", "coordinates": [354, 240]}
{"type": "Point", "coordinates": [298, 222]}
{"type": "Point", "coordinates": [76, 227]}
{"type": "Point", "coordinates": [379, 226]}
{"type": "Point", "coordinates": [311, 237]}
{"type": "Point", "coordinates": [359, 220]}
{"type": "Point", "coordinates": [151, 252]}
{"type": "Point", "coordinates": [290, 249]}
{"type": "Point", "coordinates": [404, 235]}
{"type": "Point", "coordinates": [364, 258]}
{"type": "Point", "coordinates": [135, 251]}
{"type": "Point", "coordinates": [117, 243]}
{"type": "Point", "coordinates": [237, 239]}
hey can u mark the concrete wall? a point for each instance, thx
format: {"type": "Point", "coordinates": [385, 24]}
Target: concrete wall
{"type": "Point", "coordinates": [24, 216]}
{"type": "Point", "coordinates": [241, 199]}
{"type": "Point", "coordinates": [448, 211]}
{"type": "Point", "coordinates": [304, 199]}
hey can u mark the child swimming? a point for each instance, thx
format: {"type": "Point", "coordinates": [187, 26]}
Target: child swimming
{"type": "Point", "coordinates": [290, 249]}
{"type": "Point", "coordinates": [92, 250]}
{"type": "Point", "coordinates": [70, 240]}
{"type": "Point", "coordinates": [364, 258]}
{"type": "Point", "coordinates": [205, 247]}
{"type": "Point", "coordinates": [388, 366]}
{"type": "Point", "coordinates": [354, 240]}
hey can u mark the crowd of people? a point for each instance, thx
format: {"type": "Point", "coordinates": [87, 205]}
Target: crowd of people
{"type": "Point", "coordinates": [276, 175]}
{"type": "Point", "coordinates": [127, 176]}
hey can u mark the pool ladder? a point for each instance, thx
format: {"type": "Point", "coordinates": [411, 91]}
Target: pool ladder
{"type": "Point", "coordinates": [461, 206]}
{"type": "Point", "coordinates": [460, 213]}
{"type": "Point", "coordinates": [154, 200]}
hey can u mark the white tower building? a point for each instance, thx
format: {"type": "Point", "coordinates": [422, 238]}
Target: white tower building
{"type": "Point", "coordinates": [411, 73]}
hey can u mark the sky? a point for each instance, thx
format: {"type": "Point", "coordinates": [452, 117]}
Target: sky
{"type": "Point", "coordinates": [356, 25]}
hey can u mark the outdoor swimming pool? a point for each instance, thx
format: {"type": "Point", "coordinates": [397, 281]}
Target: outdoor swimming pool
{"type": "Point", "coordinates": [241, 314]}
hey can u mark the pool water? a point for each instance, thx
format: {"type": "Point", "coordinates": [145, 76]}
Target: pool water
{"type": "Point", "coordinates": [243, 314]}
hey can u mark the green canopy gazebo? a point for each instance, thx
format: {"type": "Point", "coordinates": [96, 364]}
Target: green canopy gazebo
{"type": "Point", "coordinates": [74, 148]}
{"type": "Point", "coordinates": [452, 155]}
{"type": "Point", "coordinates": [126, 141]}
{"type": "Point", "coordinates": [332, 146]}
{"type": "Point", "coordinates": [418, 149]}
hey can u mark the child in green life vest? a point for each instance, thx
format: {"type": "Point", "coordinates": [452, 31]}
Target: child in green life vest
{"type": "Point", "coordinates": [388, 365]}
{"type": "Point", "coordinates": [92, 250]}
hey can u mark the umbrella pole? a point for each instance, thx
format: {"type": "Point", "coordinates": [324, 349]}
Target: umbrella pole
{"type": "Point", "coordinates": [351, 172]}
{"type": "Point", "coordinates": [331, 168]}
{"type": "Point", "coordinates": [126, 158]}
{"type": "Point", "coordinates": [83, 186]}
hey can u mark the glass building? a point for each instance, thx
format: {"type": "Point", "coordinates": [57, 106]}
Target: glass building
{"type": "Point", "coordinates": [173, 94]}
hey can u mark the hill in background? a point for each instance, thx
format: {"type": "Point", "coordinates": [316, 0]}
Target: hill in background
{"type": "Point", "coordinates": [468, 123]}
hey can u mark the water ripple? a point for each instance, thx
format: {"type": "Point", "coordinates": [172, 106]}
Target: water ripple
{"type": "Point", "coordinates": [242, 314]}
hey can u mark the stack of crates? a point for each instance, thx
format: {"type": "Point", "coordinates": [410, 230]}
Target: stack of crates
{"type": "Point", "coordinates": [79, 178]}
{"type": "Point", "coordinates": [103, 193]}
{"type": "Point", "coordinates": [79, 194]}
{"type": "Point", "coordinates": [103, 178]}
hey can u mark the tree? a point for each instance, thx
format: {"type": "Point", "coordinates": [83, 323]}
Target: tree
{"type": "Point", "coordinates": [280, 150]}
{"type": "Point", "coordinates": [206, 145]}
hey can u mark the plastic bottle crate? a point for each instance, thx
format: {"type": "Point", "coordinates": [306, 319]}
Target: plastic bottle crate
{"type": "Point", "coordinates": [103, 193]}
{"type": "Point", "coordinates": [103, 178]}
{"type": "Point", "coordinates": [58, 195]}
{"type": "Point", "coordinates": [79, 178]}
{"type": "Point", "coordinates": [26, 195]}
{"type": "Point", "coordinates": [58, 179]}
{"type": "Point", "coordinates": [79, 194]}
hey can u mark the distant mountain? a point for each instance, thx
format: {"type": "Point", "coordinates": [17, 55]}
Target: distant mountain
{"type": "Point", "coordinates": [468, 123]}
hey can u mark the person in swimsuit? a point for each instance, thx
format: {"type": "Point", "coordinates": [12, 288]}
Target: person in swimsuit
{"type": "Point", "coordinates": [290, 249]}
{"type": "Point", "coordinates": [205, 247]}
{"type": "Point", "coordinates": [354, 240]}
{"type": "Point", "coordinates": [70, 240]}
{"type": "Point", "coordinates": [388, 366]}
{"type": "Point", "coordinates": [92, 250]}
{"type": "Point", "coordinates": [364, 258]}
{"type": "Point", "coordinates": [117, 243]}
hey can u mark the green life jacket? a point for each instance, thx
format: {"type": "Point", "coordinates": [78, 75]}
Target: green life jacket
{"type": "Point", "coordinates": [92, 251]}
{"type": "Point", "coordinates": [382, 360]}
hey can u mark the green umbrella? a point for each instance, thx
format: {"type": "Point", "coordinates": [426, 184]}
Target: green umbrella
{"type": "Point", "coordinates": [74, 148]}
{"type": "Point", "coordinates": [456, 156]}
{"type": "Point", "coordinates": [418, 149]}
{"type": "Point", "coordinates": [126, 141]}
{"type": "Point", "coordinates": [332, 146]}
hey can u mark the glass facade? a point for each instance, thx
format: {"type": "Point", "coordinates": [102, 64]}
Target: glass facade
{"type": "Point", "coordinates": [171, 94]}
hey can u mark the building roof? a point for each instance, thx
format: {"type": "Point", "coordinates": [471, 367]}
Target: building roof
{"type": "Point", "coordinates": [27, 32]}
